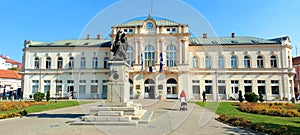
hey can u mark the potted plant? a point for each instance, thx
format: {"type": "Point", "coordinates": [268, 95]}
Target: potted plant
{"type": "Point", "coordinates": [138, 94]}
{"type": "Point", "coordinates": [160, 95]}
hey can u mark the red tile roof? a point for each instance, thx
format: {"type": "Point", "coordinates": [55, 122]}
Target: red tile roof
{"type": "Point", "coordinates": [10, 74]}
{"type": "Point", "coordinates": [8, 60]}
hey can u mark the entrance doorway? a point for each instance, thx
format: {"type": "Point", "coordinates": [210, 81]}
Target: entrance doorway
{"type": "Point", "coordinates": [149, 89]}
{"type": "Point", "coordinates": [172, 90]}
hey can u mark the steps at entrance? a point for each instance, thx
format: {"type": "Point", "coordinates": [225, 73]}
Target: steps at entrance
{"type": "Point", "coordinates": [110, 113]}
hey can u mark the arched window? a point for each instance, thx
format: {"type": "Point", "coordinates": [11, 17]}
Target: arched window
{"type": "Point", "coordinates": [95, 62]}
{"type": "Point", "coordinates": [195, 62]}
{"type": "Point", "coordinates": [71, 62]}
{"type": "Point", "coordinates": [106, 65]}
{"type": "Point", "coordinates": [36, 63]}
{"type": "Point", "coordinates": [129, 55]}
{"type": "Point", "coordinates": [48, 63]}
{"type": "Point", "coordinates": [221, 62]}
{"type": "Point", "coordinates": [82, 62]}
{"type": "Point", "coordinates": [273, 62]}
{"type": "Point", "coordinates": [171, 55]}
{"type": "Point", "coordinates": [149, 55]}
{"type": "Point", "coordinates": [59, 62]}
{"type": "Point", "coordinates": [233, 62]}
{"type": "Point", "coordinates": [246, 62]}
{"type": "Point", "coordinates": [260, 62]}
{"type": "Point", "coordinates": [207, 62]}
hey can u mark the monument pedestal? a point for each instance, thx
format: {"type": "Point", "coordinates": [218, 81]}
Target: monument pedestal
{"type": "Point", "coordinates": [118, 110]}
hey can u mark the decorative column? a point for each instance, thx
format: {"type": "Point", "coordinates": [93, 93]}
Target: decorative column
{"type": "Point", "coordinates": [180, 51]}
{"type": "Point", "coordinates": [136, 49]}
{"type": "Point", "coordinates": [157, 59]}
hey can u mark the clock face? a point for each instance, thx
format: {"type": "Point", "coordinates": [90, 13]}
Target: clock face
{"type": "Point", "coordinates": [149, 25]}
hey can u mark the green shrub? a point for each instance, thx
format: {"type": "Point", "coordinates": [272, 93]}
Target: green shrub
{"type": "Point", "coordinates": [23, 113]}
{"type": "Point", "coordinates": [251, 97]}
{"type": "Point", "coordinates": [39, 96]}
{"type": "Point", "coordinates": [48, 96]}
{"type": "Point", "coordinates": [261, 97]}
{"type": "Point", "coordinates": [240, 96]}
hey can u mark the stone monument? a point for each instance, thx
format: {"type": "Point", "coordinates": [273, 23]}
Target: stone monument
{"type": "Point", "coordinates": [118, 110]}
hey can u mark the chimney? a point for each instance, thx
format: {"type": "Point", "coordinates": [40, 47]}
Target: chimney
{"type": "Point", "coordinates": [88, 36]}
{"type": "Point", "coordinates": [204, 35]}
{"type": "Point", "coordinates": [232, 35]}
{"type": "Point", "coordinates": [99, 36]}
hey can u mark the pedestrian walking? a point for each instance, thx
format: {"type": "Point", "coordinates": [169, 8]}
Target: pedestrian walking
{"type": "Point", "coordinates": [204, 96]}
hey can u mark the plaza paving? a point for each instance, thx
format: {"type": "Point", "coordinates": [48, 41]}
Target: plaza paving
{"type": "Point", "coordinates": [167, 119]}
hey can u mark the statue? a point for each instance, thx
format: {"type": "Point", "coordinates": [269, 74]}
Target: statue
{"type": "Point", "coordinates": [119, 47]}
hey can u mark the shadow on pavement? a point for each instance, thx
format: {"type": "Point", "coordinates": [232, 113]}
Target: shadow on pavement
{"type": "Point", "coordinates": [234, 130]}
{"type": "Point", "coordinates": [46, 115]}
{"type": "Point", "coordinates": [170, 109]}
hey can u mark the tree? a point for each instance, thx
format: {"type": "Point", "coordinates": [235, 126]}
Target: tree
{"type": "Point", "coordinates": [251, 97]}
{"type": "Point", "coordinates": [48, 96]}
{"type": "Point", "coordinates": [261, 97]}
{"type": "Point", "coordinates": [241, 99]}
{"type": "Point", "coordinates": [39, 96]}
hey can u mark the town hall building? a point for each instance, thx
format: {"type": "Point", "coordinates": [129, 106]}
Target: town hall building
{"type": "Point", "coordinates": [164, 59]}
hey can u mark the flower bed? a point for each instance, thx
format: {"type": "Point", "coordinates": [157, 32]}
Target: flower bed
{"type": "Point", "coordinates": [244, 123]}
{"type": "Point", "coordinates": [273, 109]}
{"type": "Point", "coordinates": [7, 106]}
{"type": "Point", "coordinates": [10, 106]}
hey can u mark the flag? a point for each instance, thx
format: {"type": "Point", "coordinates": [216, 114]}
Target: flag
{"type": "Point", "coordinates": [161, 65]}
{"type": "Point", "coordinates": [142, 62]}
{"type": "Point", "coordinates": [150, 65]}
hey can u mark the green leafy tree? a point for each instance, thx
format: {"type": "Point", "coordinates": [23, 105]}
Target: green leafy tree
{"type": "Point", "coordinates": [48, 96]}
{"type": "Point", "coordinates": [241, 99]}
{"type": "Point", "coordinates": [251, 97]}
{"type": "Point", "coordinates": [261, 97]}
{"type": "Point", "coordinates": [39, 96]}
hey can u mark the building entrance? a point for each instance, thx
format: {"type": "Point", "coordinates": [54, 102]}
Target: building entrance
{"type": "Point", "coordinates": [172, 91]}
{"type": "Point", "coordinates": [149, 89]}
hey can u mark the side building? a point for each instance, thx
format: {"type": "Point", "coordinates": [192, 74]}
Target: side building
{"type": "Point", "coordinates": [164, 60]}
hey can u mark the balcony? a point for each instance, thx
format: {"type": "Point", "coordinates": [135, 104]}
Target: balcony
{"type": "Point", "coordinates": [171, 69]}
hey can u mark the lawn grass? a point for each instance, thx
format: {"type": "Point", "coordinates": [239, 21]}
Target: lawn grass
{"type": "Point", "coordinates": [50, 106]}
{"type": "Point", "coordinates": [271, 122]}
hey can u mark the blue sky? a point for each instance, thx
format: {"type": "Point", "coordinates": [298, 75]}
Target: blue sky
{"type": "Point", "coordinates": [68, 19]}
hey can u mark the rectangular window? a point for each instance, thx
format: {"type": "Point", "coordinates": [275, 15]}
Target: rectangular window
{"type": "Point", "coordinates": [130, 30]}
{"type": "Point", "coordinates": [47, 84]}
{"type": "Point", "coordinates": [94, 86]}
{"type": "Point", "coordinates": [234, 86]}
{"type": "Point", "coordinates": [70, 87]}
{"type": "Point", "coordinates": [104, 89]}
{"type": "Point", "coordinates": [35, 86]}
{"type": "Point", "coordinates": [261, 86]}
{"type": "Point", "coordinates": [248, 85]}
{"type": "Point", "coordinates": [208, 86]}
{"type": "Point", "coordinates": [274, 87]}
{"type": "Point", "coordinates": [82, 87]}
{"type": "Point", "coordinates": [196, 86]}
{"type": "Point", "coordinates": [58, 88]}
{"type": "Point", "coordinates": [196, 89]}
{"type": "Point", "coordinates": [221, 87]}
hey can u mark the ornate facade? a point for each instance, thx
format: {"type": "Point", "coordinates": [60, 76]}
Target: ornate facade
{"type": "Point", "coordinates": [164, 60]}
